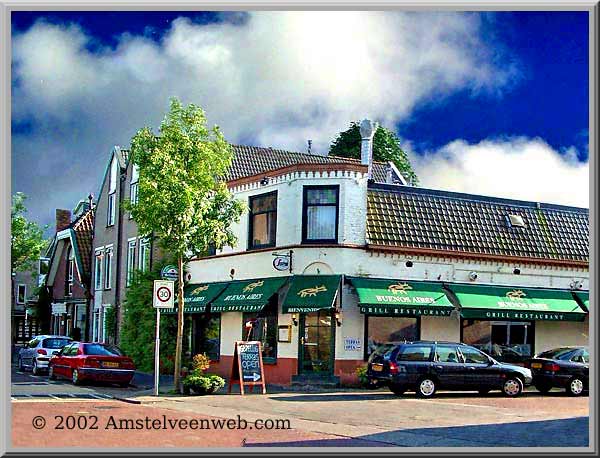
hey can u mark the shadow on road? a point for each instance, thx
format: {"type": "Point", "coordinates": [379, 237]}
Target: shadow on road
{"type": "Point", "coordinates": [570, 432]}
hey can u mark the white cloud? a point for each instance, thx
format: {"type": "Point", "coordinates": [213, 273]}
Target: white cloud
{"type": "Point", "coordinates": [517, 168]}
{"type": "Point", "coordinates": [277, 78]}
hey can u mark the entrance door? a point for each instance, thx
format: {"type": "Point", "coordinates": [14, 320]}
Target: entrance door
{"type": "Point", "coordinates": [317, 343]}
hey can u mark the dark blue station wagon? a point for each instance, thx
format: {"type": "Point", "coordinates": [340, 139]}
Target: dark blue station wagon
{"type": "Point", "coordinates": [427, 366]}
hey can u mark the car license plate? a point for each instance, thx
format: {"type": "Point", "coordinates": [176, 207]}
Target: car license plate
{"type": "Point", "coordinates": [110, 364]}
{"type": "Point", "coordinates": [377, 367]}
{"type": "Point", "coordinates": [536, 365]}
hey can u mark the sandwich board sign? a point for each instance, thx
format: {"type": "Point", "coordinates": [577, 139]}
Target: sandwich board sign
{"type": "Point", "coordinates": [247, 368]}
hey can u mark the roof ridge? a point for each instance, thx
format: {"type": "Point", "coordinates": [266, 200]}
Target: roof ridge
{"type": "Point", "coordinates": [301, 153]}
{"type": "Point", "coordinates": [397, 188]}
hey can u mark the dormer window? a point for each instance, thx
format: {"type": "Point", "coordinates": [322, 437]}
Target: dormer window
{"type": "Point", "coordinates": [514, 221]}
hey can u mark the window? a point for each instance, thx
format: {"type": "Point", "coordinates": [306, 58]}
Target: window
{"type": "Point", "coordinates": [206, 334]}
{"type": "Point", "coordinates": [473, 356]}
{"type": "Point", "coordinates": [98, 269]}
{"type": "Point", "coordinates": [43, 268]}
{"type": "Point", "coordinates": [112, 191]}
{"type": "Point", "coordinates": [101, 350]}
{"type": "Point", "coordinates": [415, 353]}
{"type": "Point", "coordinates": [55, 343]}
{"type": "Point", "coordinates": [108, 255]}
{"type": "Point", "coordinates": [262, 326]}
{"type": "Point", "coordinates": [133, 187]}
{"type": "Point", "coordinates": [381, 330]}
{"type": "Point", "coordinates": [21, 294]}
{"type": "Point", "coordinates": [144, 259]}
{"type": "Point", "coordinates": [506, 341]}
{"type": "Point", "coordinates": [70, 272]}
{"type": "Point", "coordinates": [262, 220]}
{"type": "Point", "coordinates": [130, 261]}
{"type": "Point", "coordinates": [446, 354]}
{"type": "Point", "coordinates": [320, 214]}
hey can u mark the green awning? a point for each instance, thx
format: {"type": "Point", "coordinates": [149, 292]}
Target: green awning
{"type": "Point", "coordinates": [247, 295]}
{"type": "Point", "coordinates": [311, 293]}
{"type": "Point", "coordinates": [584, 297]}
{"type": "Point", "coordinates": [516, 303]}
{"type": "Point", "coordinates": [401, 298]}
{"type": "Point", "coordinates": [196, 297]}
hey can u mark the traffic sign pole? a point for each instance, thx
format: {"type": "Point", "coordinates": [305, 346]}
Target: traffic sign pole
{"type": "Point", "coordinates": [157, 353]}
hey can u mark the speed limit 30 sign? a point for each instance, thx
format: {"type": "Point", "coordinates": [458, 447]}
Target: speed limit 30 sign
{"type": "Point", "coordinates": [163, 297]}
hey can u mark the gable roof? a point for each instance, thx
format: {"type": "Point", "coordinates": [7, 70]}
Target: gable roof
{"type": "Point", "coordinates": [405, 218]}
{"type": "Point", "coordinates": [254, 160]}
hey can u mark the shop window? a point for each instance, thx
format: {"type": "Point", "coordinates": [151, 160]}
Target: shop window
{"type": "Point", "coordinates": [382, 330]}
{"type": "Point", "coordinates": [206, 334]}
{"type": "Point", "coordinates": [320, 211]}
{"type": "Point", "coordinates": [262, 326]}
{"type": "Point", "coordinates": [507, 341]}
{"type": "Point", "coordinates": [262, 221]}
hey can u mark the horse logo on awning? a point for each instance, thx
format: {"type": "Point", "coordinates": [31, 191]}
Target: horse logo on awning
{"type": "Point", "coordinates": [312, 291]}
{"type": "Point", "coordinates": [199, 289]}
{"type": "Point", "coordinates": [516, 295]}
{"type": "Point", "coordinates": [251, 286]}
{"type": "Point", "coordinates": [399, 288]}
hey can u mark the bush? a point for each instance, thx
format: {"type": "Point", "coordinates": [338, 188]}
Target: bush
{"type": "Point", "coordinates": [200, 362]}
{"type": "Point", "coordinates": [361, 372]}
{"type": "Point", "coordinates": [201, 383]}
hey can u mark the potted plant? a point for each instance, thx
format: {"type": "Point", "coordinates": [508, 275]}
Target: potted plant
{"type": "Point", "coordinates": [198, 380]}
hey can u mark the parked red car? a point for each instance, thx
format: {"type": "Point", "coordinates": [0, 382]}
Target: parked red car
{"type": "Point", "coordinates": [91, 361]}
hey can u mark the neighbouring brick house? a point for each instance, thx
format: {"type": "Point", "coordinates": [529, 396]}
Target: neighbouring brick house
{"type": "Point", "coordinates": [68, 278]}
{"type": "Point", "coordinates": [25, 284]}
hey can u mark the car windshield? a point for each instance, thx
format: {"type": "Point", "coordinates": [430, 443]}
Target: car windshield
{"type": "Point", "coordinates": [101, 350]}
{"type": "Point", "coordinates": [55, 344]}
{"type": "Point", "coordinates": [558, 353]}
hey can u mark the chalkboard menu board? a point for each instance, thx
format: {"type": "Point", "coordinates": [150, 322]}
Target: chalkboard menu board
{"type": "Point", "coordinates": [247, 368]}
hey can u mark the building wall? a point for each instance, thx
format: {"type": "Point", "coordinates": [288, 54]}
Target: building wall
{"type": "Point", "coordinates": [551, 334]}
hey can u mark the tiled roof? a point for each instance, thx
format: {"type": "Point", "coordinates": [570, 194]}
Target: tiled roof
{"type": "Point", "coordinates": [409, 217]}
{"type": "Point", "coordinates": [254, 160]}
{"type": "Point", "coordinates": [84, 231]}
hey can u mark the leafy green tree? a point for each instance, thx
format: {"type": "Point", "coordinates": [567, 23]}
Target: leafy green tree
{"type": "Point", "coordinates": [183, 201]}
{"type": "Point", "coordinates": [386, 147]}
{"type": "Point", "coordinates": [26, 236]}
{"type": "Point", "coordinates": [139, 324]}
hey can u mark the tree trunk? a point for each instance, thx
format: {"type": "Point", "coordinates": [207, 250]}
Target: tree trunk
{"type": "Point", "coordinates": [178, 348]}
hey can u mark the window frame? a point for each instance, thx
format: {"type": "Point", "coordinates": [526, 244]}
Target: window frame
{"type": "Point", "coordinates": [98, 268]}
{"type": "Point", "coordinates": [305, 191]}
{"type": "Point", "coordinates": [108, 258]}
{"type": "Point", "coordinates": [19, 294]}
{"type": "Point", "coordinates": [251, 215]}
{"type": "Point", "coordinates": [110, 214]}
{"type": "Point", "coordinates": [259, 314]}
{"type": "Point", "coordinates": [130, 265]}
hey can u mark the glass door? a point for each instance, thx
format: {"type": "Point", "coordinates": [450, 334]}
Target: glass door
{"type": "Point", "coordinates": [317, 340]}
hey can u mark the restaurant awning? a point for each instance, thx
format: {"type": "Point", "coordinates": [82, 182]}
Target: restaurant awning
{"type": "Point", "coordinates": [247, 295]}
{"type": "Point", "coordinates": [584, 297]}
{"type": "Point", "coordinates": [311, 293]}
{"type": "Point", "coordinates": [401, 298]}
{"type": "Point", "coordinates": [493, 302]}
{"type": "Point", "coordinates": [196, 297]}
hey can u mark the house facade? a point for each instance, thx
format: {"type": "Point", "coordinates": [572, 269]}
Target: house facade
{"type": "Point", "coordinates": [337, 256]}
{"type": "Point", "coordinates": [68, 278]}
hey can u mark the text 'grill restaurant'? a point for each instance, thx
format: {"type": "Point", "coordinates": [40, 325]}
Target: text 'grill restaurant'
{"type": "Point", "coordinates": [337, 256]}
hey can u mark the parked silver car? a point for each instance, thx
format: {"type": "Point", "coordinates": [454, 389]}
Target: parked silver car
{"type": "Point", "coordinates": [36, 353]}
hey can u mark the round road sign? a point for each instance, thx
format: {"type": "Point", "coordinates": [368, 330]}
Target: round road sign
{"type": "Point", "coordinates": [163, 293]}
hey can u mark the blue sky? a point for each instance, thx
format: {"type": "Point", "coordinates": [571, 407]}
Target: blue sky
{"type": "Point", "coordinates": [472, 96]}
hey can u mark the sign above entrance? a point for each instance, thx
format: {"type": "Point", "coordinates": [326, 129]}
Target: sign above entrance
{"type": "Point", "coordinates": [310, 293]}
{"type": "Point", "coordinates": [169, 273]}
{"type": "Point", "coordinates": [247, 295]}
{"type": "Point", "coordinates": [281, 263]}
{"type": "Point", "coordinates": [196, 297]}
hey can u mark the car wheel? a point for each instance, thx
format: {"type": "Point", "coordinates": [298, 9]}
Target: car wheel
{"type": "Point", "coordinates": [513, 387]}
{"type": "Point", "coordinates": [75, 377]}
{"type": "Point", "coordinates": [483, 391]}
{"type": "Point", "coordinates": [397, 389]}
{"type": "Point", "coordinates": [543, 388]}
{"type": "Point", "coordinates": [575, 387]}
{"type": "Point", "coordinates": [51, 375]}
{"type": "Point", "coordinates": [426, 387]}
{"type": "Point", "coordinates": [34, 369]}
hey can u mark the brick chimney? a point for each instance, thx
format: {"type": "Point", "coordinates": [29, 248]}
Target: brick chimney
{"type": "Point", "coordinates": [367, 132]}
{"type": "Point", "coordinates": [63, 219]}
